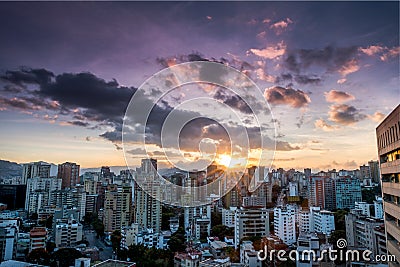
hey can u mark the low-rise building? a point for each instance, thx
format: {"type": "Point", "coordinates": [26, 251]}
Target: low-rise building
{"type": "Point", "coordinates": [67, 232]}
{"type": "Point", "coordinates": [251, 222]}
{"type": "Point", "coordinates": [38, 238]}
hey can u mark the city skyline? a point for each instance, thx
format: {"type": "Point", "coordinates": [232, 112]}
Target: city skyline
{"type": "Point", "coordinates": [329, 78]}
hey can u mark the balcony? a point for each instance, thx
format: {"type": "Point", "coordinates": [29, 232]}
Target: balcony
{"type": "Point", "coordinates": [393, 229]}
{"type": "Point", "coordinates": [390, 167]}
{"type": "Point", "coordinates": [391, 188]}
{"type": "Point", "coordinates": [392, 209]}
{"type": "Point", "coordinates": [393, 249]}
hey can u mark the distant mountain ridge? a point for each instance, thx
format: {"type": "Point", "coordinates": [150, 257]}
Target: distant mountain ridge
{"type": "Point", "coordinates": [10, 169]}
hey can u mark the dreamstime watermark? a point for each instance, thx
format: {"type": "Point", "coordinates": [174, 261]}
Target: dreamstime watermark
{"type": "Point", "coordinates": [330, 254]}
{"type": "Point", "coordinates": [197, 115]}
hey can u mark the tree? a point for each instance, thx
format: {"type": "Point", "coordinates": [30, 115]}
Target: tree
{"type": "Point", "coordinates": [49, 222]}
{"type": "Point", "coordinates": [221, 231]}
{"type": "Point", "coordinates": [65, 257]}
{"type": "Point", "coordinates": [177, 241]}
{"type": "Point", "coordinates": [98, 226]}
{"type": "Point", "coordinates": [340, 222]}
{"type": "Point", "coordinates": [167, 213]}
{"type": "Point", "coordinates": [233, 254]}
{"type": "Point", "coordinates": [216, 218]}
{"type": "Point", "coordinates": [50, 246]}
{"type": "Point", "coordinates": [368, 196]}
{"type": "Point", "coordinates": [38, 256]}
{"type": "Point", "coordinates": [34, 216]}
{"type": "Point", "coordinates": [116, 240]}
{"type": "Point", "coordinates": [276, 190]}
{"type": "Point", "coordinates": [335, 236]}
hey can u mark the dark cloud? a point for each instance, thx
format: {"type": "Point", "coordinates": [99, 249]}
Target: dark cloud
{"type": "Point", "coordinates": [83, 96]}
{"type": "Point", "coordinates": [286, 96]}
{"type": "Point", "coordinates": [86, 100]}
{"type": "Point", "coordinates": [79, 123]}
{"type": "Point", "coordinates": [304, 79]}
{"type": "Point", "coordinates": [28, 76]}
{"type": "Point", "coordinates": [331, 58]}
{"type": "Point", "coordinates": [233, 101]}
{"type": "Point", "coordinates": [345, 114]}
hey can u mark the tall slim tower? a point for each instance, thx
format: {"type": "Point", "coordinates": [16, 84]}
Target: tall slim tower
{"type": "Point", "coordinates": [69, 173]}
{"type": "Point", "coordinates": [388, 141]}
{"type": "Point", "coordinates": [117, 208]}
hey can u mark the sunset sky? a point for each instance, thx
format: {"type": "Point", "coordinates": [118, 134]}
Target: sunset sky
{"type": "Point", "coordinates": [330, 72]}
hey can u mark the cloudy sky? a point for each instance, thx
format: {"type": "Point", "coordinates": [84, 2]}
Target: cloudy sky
{"type": "Point", "coordinates": [330, 72]}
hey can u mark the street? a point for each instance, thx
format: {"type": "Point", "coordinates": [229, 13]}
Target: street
{"type": "Point", "coordinates": [105, 252]}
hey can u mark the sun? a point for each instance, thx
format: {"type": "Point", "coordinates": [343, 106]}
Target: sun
{"type": "Point", "coordinates": [225, 160]}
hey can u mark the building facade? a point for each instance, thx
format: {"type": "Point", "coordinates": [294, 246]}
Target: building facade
{"type": "Point", "coordinates": [69, 173]}
{"type": "Point", "coordinates": [388, 142]}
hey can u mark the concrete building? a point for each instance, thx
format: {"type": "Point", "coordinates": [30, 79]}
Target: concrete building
{"type": "Point", "coordinates": [117, 208]}
{"type": "Point", "coordinates": [322, 192]}
{"type": "Point", "coordinates": [189, 258]}
{"type": "Point", "coordinates": [248, 256]}
{"type": "Point", "coordinates": [251, 222]}
{"type": "Point", "coordinates": [69, 173]}
{"type": "Point", "coordinates": [374, 170]}
{"type": "Point", "coordinates": [67, 232]}
{"type": "Point", "coordinates": [197, 221]}
{"type": "Point", "coordinates": [293, 189]}
{"type": "Point", "coordinates": [8, 242]}
{"type": "Point", "coordinates": [285, 223]}
{"type": "Point", "coordinates": [324, 222]}
{"type": "Point", "coordinates": [388, 141]}
{"type": "Point", "coordinates": [147, 209]}
{"type": "Point", "coordinates": [38, 238]}
{"type": "Point", "coordinates": [360, 231]}
{"type": "Point", "coordinates": [228, 217]}
{"type": "Point", "coordinates": [74, 197]}
{"type": "Point", "coordinates": [38, 192]}
{"type": "Point", "coordinates": [35, 169]}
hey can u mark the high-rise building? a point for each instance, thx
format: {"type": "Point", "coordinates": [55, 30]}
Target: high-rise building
{"type": "Point", "coordinates": [251, 222]}
{"type": "Point", "coordinates": [69, 173]}
{"type": "Point", "coordinates": [365, 172]}
{"type": "Point", "coordinates": [285, 223]}
{"type": "Point", "coordinates": [388, 141]}
{"type": "Point", "coordinates": [375, 173]}
{"type": "Point", "coordinates": [75, 197]}
{"type": "Point", "coordinates": [322, 192]}
{"type": "Point", "coordinates": [149, 165]}
{"type": "Point", "coordinates": [13, 196]}
{"type": "Point", "coordinates": [147, 209]}
{"type": "Point", "coordinates": [117, 208]}
{"type": "Point", "coordinates": [38, 192]}
{"type": "Point", "coordinates": [35, 169]}
{"type": "Point", "coordinates": [197, 221]}
{"type": "Point", "coordinates": [348, 192]}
